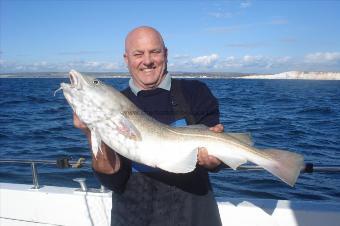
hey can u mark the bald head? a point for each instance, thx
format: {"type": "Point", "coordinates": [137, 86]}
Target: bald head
{"type": "Point", "coordinates": [146, 57]}
{"type": "Point", "coordinates": [142, 33]}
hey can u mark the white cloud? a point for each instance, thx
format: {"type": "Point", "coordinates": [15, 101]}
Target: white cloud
{"type": "Point", "coordinates": [245, 4]}
{"type": "Point", "coordinates": [246, 63]}
{"type": "Point", "coordinates": [319, 61]}
{"type": "Point", "coordinates": [256, 63]}
{"type": "Point", "coordinates": [205, 61]}
{"type": "Point", "coordinates": [220, 15]}
{"type": "Point", "coordinates": [223, 29]}
{"type": "Point", "coordinates": [323, 58]}
{"type": "Point", "coordinates": [253, 59]}
{"type": "Point", "coordinates": [99, 66]}
{"type": "Point", "coordinates": [284, 60]}
{"type": "Point", "coordinates": [253, 63]}
{"type": "Point", "coordinates": [40, 64]}
{"type": "Point", "coordinates": [180, 56]}
{"type": "Point", "coordinates": [95, 65]}
{"type": "Point", "coordinates": [185, 62]}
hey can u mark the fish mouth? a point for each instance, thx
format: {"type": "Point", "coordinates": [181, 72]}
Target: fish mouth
{"type": "Point", "coordinates": [74, 82]}
{"type": "Point", "coordinates": [73, 75]}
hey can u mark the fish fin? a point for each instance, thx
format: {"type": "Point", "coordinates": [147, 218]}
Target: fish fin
{"type": "Point", "coordinates": [286, 165]}
{"type": "Point", "coordinates": [232, 161]}
{"type": "Point", "coordinates": [126, 128]}
{"type": "Point", "coordinates": [243, 137]}
{"type": "Point", "coordinates": [95, 142]}
{"type": "Point", "coordinates": [186, 164]}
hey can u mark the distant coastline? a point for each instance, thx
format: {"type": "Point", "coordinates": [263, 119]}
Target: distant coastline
{"type": "Point", "coordinates": [120, 74]}
{"type": "Point", "coordinates": [297, 75]}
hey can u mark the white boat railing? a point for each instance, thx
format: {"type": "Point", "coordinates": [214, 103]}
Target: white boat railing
{"type": "Point", "coordinates": [63, 163]}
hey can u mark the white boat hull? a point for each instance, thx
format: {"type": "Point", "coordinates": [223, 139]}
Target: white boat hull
{"type": "Point", "coordinates": [21, 205]}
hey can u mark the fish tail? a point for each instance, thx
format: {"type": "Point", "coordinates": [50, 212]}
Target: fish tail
{"type": "Point", "coordinates": [284, 164]}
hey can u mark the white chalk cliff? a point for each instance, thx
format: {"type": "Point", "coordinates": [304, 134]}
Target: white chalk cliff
{"type": "Point", "coordinates": [298, 75]}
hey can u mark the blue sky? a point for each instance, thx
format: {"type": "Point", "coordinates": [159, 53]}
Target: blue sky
{"type": "Point", "coordinates": [264, 36]}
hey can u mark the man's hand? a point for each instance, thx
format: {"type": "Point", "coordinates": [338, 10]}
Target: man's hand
{"type": "Point", "coordinates": [107, 161]}
{"type": "Point", "coordinates": [206, 160]}
{"type": "Point", "coordinates": [79, 124]}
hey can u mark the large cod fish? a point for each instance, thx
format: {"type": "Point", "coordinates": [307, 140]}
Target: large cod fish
{"type": "Point", "coordinates": [116, 121]}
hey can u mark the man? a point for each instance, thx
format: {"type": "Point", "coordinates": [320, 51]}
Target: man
{"type": "Point", "coordinates": [152, 196]}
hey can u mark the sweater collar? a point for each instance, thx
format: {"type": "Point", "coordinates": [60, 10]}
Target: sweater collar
{"type": "Point", "coordinates": [165, 84]}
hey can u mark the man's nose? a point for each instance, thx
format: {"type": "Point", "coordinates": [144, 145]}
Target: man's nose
{"type": "Point", "coordinates": [147, 59]}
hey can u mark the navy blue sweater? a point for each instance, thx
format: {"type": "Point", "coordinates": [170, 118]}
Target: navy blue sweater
{"type": "Point", "coordinates": [148, 188]}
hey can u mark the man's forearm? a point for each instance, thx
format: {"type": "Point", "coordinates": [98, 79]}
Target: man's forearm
{"type": "Point", "coordinates": [106, 161]}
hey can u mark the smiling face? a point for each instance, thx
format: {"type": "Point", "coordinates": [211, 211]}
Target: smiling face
{"type": "Point", "coordinates": [146, 57]}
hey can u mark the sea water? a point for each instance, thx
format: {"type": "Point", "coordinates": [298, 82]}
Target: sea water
{"type": "Point", "coordinates": [297, 115]}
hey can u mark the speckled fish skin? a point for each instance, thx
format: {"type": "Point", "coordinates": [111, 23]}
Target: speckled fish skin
{"type": "Point", "coordinates": [116, 121]}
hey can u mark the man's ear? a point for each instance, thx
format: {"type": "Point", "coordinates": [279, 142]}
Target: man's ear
{"type": "Point", "coordinates": [166, 53]}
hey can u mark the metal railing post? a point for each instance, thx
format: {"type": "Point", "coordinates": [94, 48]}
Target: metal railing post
{"type": "Point", "coordinates": [103, 189]}
{"type": "Point", "coordinates": [82, 183]}
{"type": "Point", "coordinates": [35, 176]}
